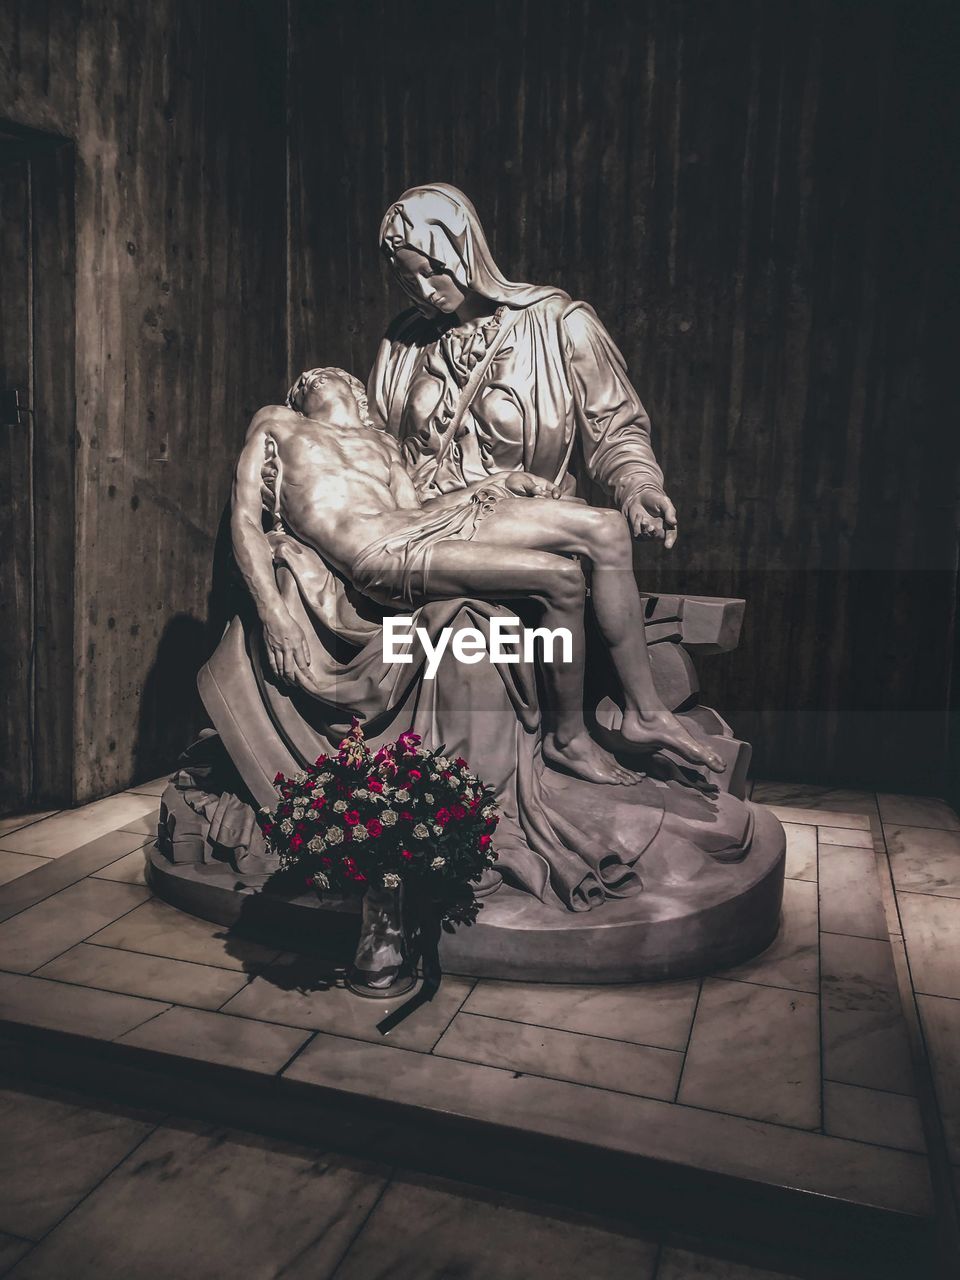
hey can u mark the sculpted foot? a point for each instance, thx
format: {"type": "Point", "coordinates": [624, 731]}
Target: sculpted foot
{"type": "Point", "coordinates": [665, 730]}
{"type": "Point", "coordinates": [584, 758]}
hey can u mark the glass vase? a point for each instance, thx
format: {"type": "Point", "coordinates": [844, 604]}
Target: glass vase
{"type": "Point", "coordinates": [380, 967]}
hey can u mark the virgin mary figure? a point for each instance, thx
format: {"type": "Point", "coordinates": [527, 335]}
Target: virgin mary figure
{"type": "Point", "coordinates": [481, 375]}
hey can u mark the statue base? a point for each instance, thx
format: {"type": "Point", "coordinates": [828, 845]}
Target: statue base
{"type": "Point", "coordinates": [722, 917]}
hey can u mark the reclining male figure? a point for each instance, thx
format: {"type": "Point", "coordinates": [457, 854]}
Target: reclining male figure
{"type": "Point", "coordinates": [339, 484]}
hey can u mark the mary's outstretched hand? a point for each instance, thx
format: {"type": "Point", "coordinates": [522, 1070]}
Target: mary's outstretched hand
{"type": "Point", "coordinates": [652, 515]}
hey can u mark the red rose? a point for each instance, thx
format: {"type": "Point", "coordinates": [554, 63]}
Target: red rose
{"type": "Point", "coordinates": [406, 815]}
{"type": "Point", "coordinates": [320, 761]}
{"type": "Point", "coordinates": [460, 762]}
{"type": "Point", "coordinates": [414, 774]}
{"type": "Point", "coordinates": [296, 842]}
{"type": "Point", "coordinates": [267, 828]}
{"type": "Point", "coordinates": [374, 784]}
{"type": "Point", "coordinates": [443, 816]}
{"type": "Point", "coordinates": [278, 777]}
{"type": "Point", "coordinates": [374, 828]}
{"type": "Point", "coordinates": [351, 817]}
{"type": "Point", "coordinates": [317, 802]}
{"type": "Point", "coordinates": [309, 882]}
{"type": "Point", "coordinates": [491, 823]}
{"type": "Point", "coordinates": [458, 811]}
{"type": "Point", "coordinates": [326, 862]}
{"type": "Point", "coordinates": [485, 842]}
{"type": "Point", "coordinates": [405, 853]}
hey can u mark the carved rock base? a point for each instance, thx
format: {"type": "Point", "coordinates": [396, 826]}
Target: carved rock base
{"type": "Point", "coordinates": [721, 918]}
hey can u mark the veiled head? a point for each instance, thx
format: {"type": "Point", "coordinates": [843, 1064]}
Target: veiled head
{"type": "Point", "coordinates": [440, 223]}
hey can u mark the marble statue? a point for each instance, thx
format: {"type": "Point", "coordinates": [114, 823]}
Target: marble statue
{"type": "Point", "coordinates": [447, 490]}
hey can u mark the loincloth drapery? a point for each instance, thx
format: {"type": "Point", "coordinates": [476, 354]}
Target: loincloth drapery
{"type": "Point", "coordinates": [396, 567]}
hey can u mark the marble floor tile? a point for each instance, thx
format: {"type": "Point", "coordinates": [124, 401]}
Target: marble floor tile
{"type": "Point", "coordinates": [941, 1029]}
{"type": "Point", "coordinates": [924, 860]}
{"type": "Point", "coordinates": [869, 1115]}
{"type": "Point", "coordinates": [820, 817]}
{"type": "Point", "coordinates": [15, 821]}
{"type": "Point", "coordinates": [931, 931]}
{"type": "Point", "coordinates": [38, 934]}
{"type": "Point", "coordinates": [160, 930]}
{"type": "Point", "coordinates": [15, 865]}
{"type": "Point", "coordinates": [917, 811]}
{"type": "Point", "coordinates": [69, 829]}
{"type": "Point", "coordinates": [850, 900]}
{"type": "Point", "coordinates": [642, 1126]}
{"type": "Point", "coordinates": [39, 1002]}
{"type": "Point", "coordinates": [792, 958]}
{"type": "Point", "coordinates": [657, 1014]}
{"type": "Point", "coordinates": [681, 1264]}
{"type": "Point", "coordinates": [802, 795]}
{"type": "Point", "coordinates": [288, 995]}
{"type": "Point", "coordinates": [153, 977]}
{"type": "Point", "coordinates": [864, 1036]}
{"type": "Point", "coordinates": [144, 825]}
{"type": "Point", "coordinates": [54, 1152]}
{"type": "Point", "coordinates": [844, 835]}
{"type": "Point", "coordinates": [432, 1229]}
{"type": "Point", "coordinates": [263, 1047]}
{"type": "Point", "coordinates": [129, 869]}
{"type": "Point", "coordinates": [755, 1052]}
{"type": "Point", "coordinates": [194, 1203]}
{"type": "Point", "coordinates": [12, 1249]}
{"type": "Point", "coordinates": [801, 851]}
{"type": "Point", "coordinates": [54, 874]}
{"type": "Point", "coordinates": [153, 788]}
{"type": "Point", "coordinates": [563, 1055]}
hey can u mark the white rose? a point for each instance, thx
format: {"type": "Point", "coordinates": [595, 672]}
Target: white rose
{"type": "Point", "coordinates": [428, 797]}
{"type": "Point", "coordinates": [360, 833]}
{"type": "Point", "coordinates": [339, 806]}
{"type": "Point", "coordinates": [403, 793]}
{"type": "Point", "coordinates": [316, 844]}
{"type": "Point", "coordinates": [265, 812]}
{"type": "Point", "coordinates": [325, 777]}
{"type": "Point", "coordinates": [420, 831]}
{"type": "Point", "coordinates": [437, 829]}
{"type": "Point", "coordinates": [443, 762]}
{"type": "Point", "coordinates": [286, 826]}
{"type": "Point", "coordinates": [361, 794]}
{"type": "Point", "coordinates": [437, 863]}
{"type": "Point", "coordinates": [334, 835]}
{"type": "Point", "coordinates": [388, 817]}
{"type": "Point", "coordinates": [391, 880]}
{"type": "Point", "coordinates": [320, 881]}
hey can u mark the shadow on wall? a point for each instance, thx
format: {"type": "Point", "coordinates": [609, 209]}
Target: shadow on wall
{"type": "Point", "coordinates": [171, 713]}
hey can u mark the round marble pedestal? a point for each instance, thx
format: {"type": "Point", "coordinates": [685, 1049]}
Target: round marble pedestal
{"type": "Point", "coordinates": [722, 917]}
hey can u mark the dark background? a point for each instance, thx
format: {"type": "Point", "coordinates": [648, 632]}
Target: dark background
{"type": "Point", "coordinates": [760, 199]}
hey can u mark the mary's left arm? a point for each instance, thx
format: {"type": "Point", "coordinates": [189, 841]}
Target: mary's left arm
{"type": "Point", "coordinates": [614, 426]}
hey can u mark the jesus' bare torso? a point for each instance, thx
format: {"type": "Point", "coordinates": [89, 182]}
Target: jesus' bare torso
{"type": "Point", "coordinates": [341, 487]}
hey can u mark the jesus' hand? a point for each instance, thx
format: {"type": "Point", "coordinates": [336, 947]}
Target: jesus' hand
{"type": "Point", "coordinates": [526, 485]}
{"type": "Point", "coordinates": [286, 646]}
{"type": "Point", "coordinates": [652, 515]}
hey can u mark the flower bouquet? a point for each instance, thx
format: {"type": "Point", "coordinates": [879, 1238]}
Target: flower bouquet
{"type": "Point", "coordinates": [403, 821]}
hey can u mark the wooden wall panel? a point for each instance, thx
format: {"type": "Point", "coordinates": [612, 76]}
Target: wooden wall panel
{"type": "Point", "coordinates": [177, 110]}
{"type": "Point", "coordinates": [758, 197]}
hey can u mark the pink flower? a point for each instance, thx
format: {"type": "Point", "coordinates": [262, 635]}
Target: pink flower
{"type": "Point", "coordinates": [351, 817]}
{"type": "Point", "coordinates": [374, 828]}
{"type": "Point", "coordinates": [443, 816]}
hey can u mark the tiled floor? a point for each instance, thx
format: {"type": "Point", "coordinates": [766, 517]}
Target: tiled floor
{"type": "Point", "coordinates": [793, 1066]}
{"type": "Point", "coordinates": [94, 1192]}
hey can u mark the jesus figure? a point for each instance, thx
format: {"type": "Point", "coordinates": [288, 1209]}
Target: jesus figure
{"type": "Point", "coordinates": [339, 484]}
